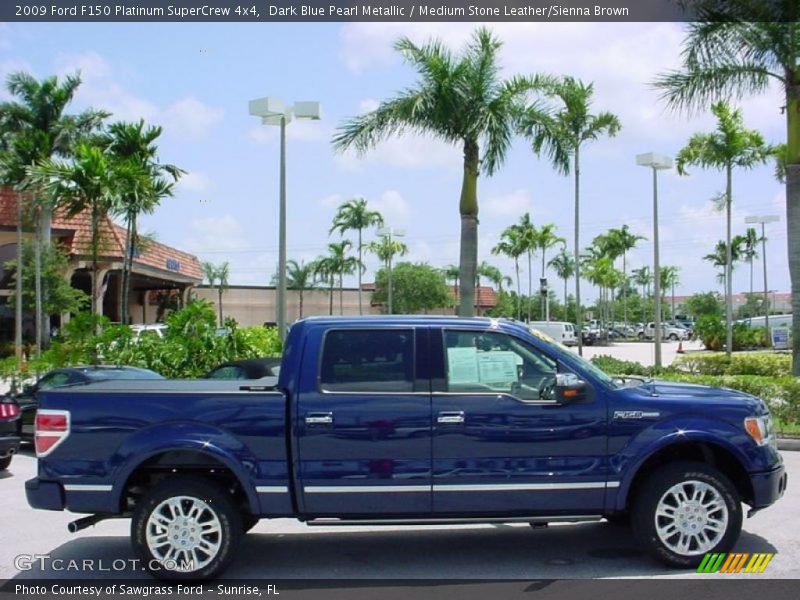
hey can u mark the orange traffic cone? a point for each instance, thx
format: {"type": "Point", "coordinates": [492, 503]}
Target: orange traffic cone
{"type": "Point", "coordinates": [680, 347]}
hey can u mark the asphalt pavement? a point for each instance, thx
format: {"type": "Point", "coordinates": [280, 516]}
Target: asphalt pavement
{"type": "Point", "coordinates": [285, 549]}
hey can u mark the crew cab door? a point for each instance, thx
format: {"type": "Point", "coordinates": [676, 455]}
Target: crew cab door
{"type": "Point", "coordinates": [502, 441]}
{"type": "Point", "coordinates": [363, 422]}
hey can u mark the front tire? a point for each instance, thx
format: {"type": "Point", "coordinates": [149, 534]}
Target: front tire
{"type": "Point", "coordinates": [186, 528]}
{"type": "Point", "coordinates": [685, 510]}
{"type": "Point", "coordinates": [5, 462]}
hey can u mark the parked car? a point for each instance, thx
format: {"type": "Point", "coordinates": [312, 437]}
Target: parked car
{"type": "Point", "coordinates": [251, 368]}
{"type": "Point", "coordinates": [386, 420]}
{"type": "Point", "coordinates": [9, 430]}
{"type": "Point", "coordinates": [774, 321]}
{"type": "Point", "coordinates": [668, 332]}
{"type": "Point", "coordinates": [561, 331]}
{"type": "Point", "coordinates": [28, 397]}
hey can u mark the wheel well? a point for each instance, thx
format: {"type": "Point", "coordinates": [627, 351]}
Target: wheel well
{"type": "Point", "coordinates": [711, 454]}
{"type": "Point", "coordinates": [180, 462]}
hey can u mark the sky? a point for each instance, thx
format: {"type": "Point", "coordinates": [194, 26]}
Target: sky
{"type": "Point", "coordinates": [195, 80]}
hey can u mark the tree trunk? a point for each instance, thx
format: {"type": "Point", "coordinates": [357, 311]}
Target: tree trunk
{"type": "Point", "coordinates": [625, 293]}
{"type": "Point", "coordinates": [43, 238]}
{"type": "Point", "coordinates": [301, 303]}
{"type": "Point", "coordinates": [728, 266]}
{"type": "Point", "coordinates": [219, 304]}
{"type": "Point", "coordinates": [95, 252]}
{"type": "Point", "coordinates": [330, 295]}
{"type": "Point", "coordinates": [578, 313]}
{"type": "Point", "coordinates": [468, 208]}
{"type": "Point", "coordinates": [793, 213]}
{"type": "Point", "coordinates": [360, 312]}
{"type": "Point", "coordinates": [18, 286]}
{"type": "Point", "coordinates": [37, 284]}
{"type": "Point", "coordinates": [519, 290]}
{"type": "Point", "coordinates": [341, 294]}
{"type": "Point", "coordinates": [127, 265]}
{"type": "Point", "coordinates": [530, 285]}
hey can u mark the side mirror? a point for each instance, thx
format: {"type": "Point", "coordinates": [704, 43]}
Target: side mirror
{"type": "Point", "coordinates": [570, 389]}
{"type": "Point", "coordinates": [28, 389]}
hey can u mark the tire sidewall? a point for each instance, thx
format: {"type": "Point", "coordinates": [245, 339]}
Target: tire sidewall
{"type": "Point", "coordinates": [210, 493]}
{"type": "Point", "coordinates": [642, 515]}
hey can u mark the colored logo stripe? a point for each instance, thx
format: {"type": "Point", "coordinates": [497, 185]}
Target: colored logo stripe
{"type": "Point", "coordinates": [735, 562]}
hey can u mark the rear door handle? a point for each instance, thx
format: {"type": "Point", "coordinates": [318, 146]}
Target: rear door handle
{"type": "Point", "coordinates": [319, 418]}
{"type": "Point", "coordinates": [453, 418]}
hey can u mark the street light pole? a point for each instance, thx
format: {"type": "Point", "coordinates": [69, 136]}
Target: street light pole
{"type": "Point", "coordinates": [281, 295]}
{"type": "Point", "coordinates": [273, 112]}
{"type": "Point", "coordinates": [655, 162]}
{"type": "Point", "coordinates": [763, 220]}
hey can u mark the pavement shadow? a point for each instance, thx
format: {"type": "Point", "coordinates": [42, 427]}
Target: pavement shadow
{"type": "Point", "coordinates": [587, 550]}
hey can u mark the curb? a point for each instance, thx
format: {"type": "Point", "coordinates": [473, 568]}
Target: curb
{"type": "Point", "coordinates": [788, 443]}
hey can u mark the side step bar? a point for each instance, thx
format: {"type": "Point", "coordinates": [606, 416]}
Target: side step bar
{"type": "Point", "coordinates": [327, 521]}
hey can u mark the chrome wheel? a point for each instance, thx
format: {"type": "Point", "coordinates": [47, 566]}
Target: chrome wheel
{"type": "Point", "coordinates": [691, 518]}
{"type": "Point", "coordinates": [184, 533]}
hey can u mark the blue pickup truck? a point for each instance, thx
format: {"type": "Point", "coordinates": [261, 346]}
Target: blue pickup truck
{"type": "Point", "coordinates": [406, 420]}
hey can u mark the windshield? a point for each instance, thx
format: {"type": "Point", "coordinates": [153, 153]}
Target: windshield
{"type": "Point", "coordinates": [562, 351]}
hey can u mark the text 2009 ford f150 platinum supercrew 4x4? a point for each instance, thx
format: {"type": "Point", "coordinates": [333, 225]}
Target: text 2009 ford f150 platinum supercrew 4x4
{"type": "Point", "coordinates": [410, 420]}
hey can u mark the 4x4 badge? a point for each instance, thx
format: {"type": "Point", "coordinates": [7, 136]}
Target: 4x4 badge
{"type": "Point", "coordinates": [635, 414]}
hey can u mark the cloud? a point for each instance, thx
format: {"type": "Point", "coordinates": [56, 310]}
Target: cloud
{"type": "Point", "coordinates": [302, 130]}
{"type": "Point", "coordinates": [195, 181]}
{"type": "Point", "coordinates": [191, 119]}
{"type": "Point", "coordinates": [331, 201]}
{"type": "Point", "coordinates": [186, 118]}
{"type": "Point", "coordinates": [620, 58]}
{"type": "Point", "coordinates": [511, 204]}
{"type": "Point", "coordinates": [223, 233]}
{"type": "Point", "coordinates": [393, 207]}
{"type": "Point", "coordinates": [408, 151]}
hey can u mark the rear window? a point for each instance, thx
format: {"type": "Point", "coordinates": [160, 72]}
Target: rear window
{"type": "Point", "coordinates": [368, 361]}
{"type": "Point", "coordinates": [108, 374]}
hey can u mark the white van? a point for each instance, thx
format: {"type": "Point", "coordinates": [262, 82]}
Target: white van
{"type": "Point", "coordinates": [560, 331]}
{"type": "Point", "coordinates": [774, 321]}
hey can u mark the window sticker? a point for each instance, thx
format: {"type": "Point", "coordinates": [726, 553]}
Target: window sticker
{"type": "Point", "coordinates": [462, 365]}
{"type": "Point", "coordinates": [498, 369]}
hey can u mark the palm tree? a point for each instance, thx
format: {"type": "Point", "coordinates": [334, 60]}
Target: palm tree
{"type": "Point", "coordinates": [89, 181]}
{"type": "Point", "coordinates": [512, 245]}
{"type": "Point", "coordinates": [528, 236]}
{"type": "Point", "coordinates": [133, 145]}
{"type": "Point", "coordinates": [386, 249]}
{"type": "Point", "coordinates": [36, 128]}
{"type": "Point", "coordinates": [460, 99]}
{"type": "Point", "coordinates": [600, 271]}
{"type": "Point", "coordinates": [451, 273]}
{"type": "Point", "coordinates": [669, 279]}
{"type": "Point", "coordinates": [735, 49]}
{"type": "Point", "coordinates": [354, 215]}
{"type": "Point", "coordinates": [337, 263]}
{"type": "Point", "coordinates": [544, 239]}
{"type": "Point", "coordinates": [561, 136]}
{"type": "Point", "coordinates": [625, 241]}
{"type": "Point", "coordinates": [729, 146]}
{"type": "Point", "coordinates": [643, 277]}
{"type": "Point", "coordinates": [563, 264]}
{"type": "Point", "coordinates": [325, 269]}
{"type": "Point", "coordinates": [491, 273]}
{"type": "Point", "coordinates": [719, 258]}
{"type": "Point", "coordinates": [300, 276]}
{"type": "Point", "coordinates": [750, 250]}
{"type": "Point", "coordinates": [217, 275]}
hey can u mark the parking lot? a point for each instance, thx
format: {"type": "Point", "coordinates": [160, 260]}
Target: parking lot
{"type": "Point", "coordinates": [285, 549]}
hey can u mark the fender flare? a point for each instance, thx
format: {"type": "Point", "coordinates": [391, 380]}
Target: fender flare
{"type": "Point", "coordinates": [167, 437]}
{"type": "Point", "coordinates": [675, 437]}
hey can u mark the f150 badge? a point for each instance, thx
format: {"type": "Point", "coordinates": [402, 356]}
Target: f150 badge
{"type": "Point", "coordinates": [635, 414]}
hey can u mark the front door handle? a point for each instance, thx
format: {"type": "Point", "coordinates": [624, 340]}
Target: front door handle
{"type": "Point", "coordinates": [319, 418]}
{"type": "Point", "coordinates": [452, 418]}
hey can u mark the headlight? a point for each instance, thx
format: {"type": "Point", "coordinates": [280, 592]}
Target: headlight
{"type": "Point", "coordinates": [760, 429]}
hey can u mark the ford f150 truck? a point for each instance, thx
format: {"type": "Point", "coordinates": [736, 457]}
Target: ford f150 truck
{"type": "Point", "coordinates": [406, 420]}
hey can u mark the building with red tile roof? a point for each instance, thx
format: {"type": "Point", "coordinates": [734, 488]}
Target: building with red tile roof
{"type": "Point", "coordinates": [157, 268]}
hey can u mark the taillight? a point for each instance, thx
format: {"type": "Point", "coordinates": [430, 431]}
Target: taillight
{"type": "Point", "coordinates": [51, 428]}
{"type": "Point", "coordinates": [9, 410]}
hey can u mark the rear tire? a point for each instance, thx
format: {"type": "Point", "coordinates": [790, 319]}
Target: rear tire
{"type": "Point", "coordinates": [5, 462]}
{"type": "Point", "coordinates": [673, 337]}
{"type": "Point", "coordinates": [186, 528]}
{"type": "Point", "coordinates": [685, 510]}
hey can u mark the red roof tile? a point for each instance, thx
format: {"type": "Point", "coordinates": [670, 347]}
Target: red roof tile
{"type": "Point", "coordinates": [77, 234]}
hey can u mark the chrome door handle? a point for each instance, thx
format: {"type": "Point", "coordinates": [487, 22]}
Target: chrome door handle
{"type": "Point", "coordinates": [455, 417]}
{"type": "Point", "coordinates": [319, 418]}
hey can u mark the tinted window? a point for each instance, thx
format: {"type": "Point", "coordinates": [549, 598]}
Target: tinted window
{"type": "Point", "coordinates": [230, 372]}
{"type": "Point", "coordinates": [368, 361]}
{"type": "Point", "coordinates": [53, 380]}
{"type": "Point", "coordinates": [488, 362]}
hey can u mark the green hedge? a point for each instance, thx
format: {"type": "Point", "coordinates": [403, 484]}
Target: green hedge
{"type": "Point", "coordinates": [766, 364]}
{"type": "Point", "coordinates": [191, 346]}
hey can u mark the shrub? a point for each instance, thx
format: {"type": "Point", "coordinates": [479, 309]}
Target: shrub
{"type": "Point", "coordinates": [746, 363]}
{"type": "Point", "coordinates": [615, 366]}
{"type": "Point", "coordinates": [711, 331]}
